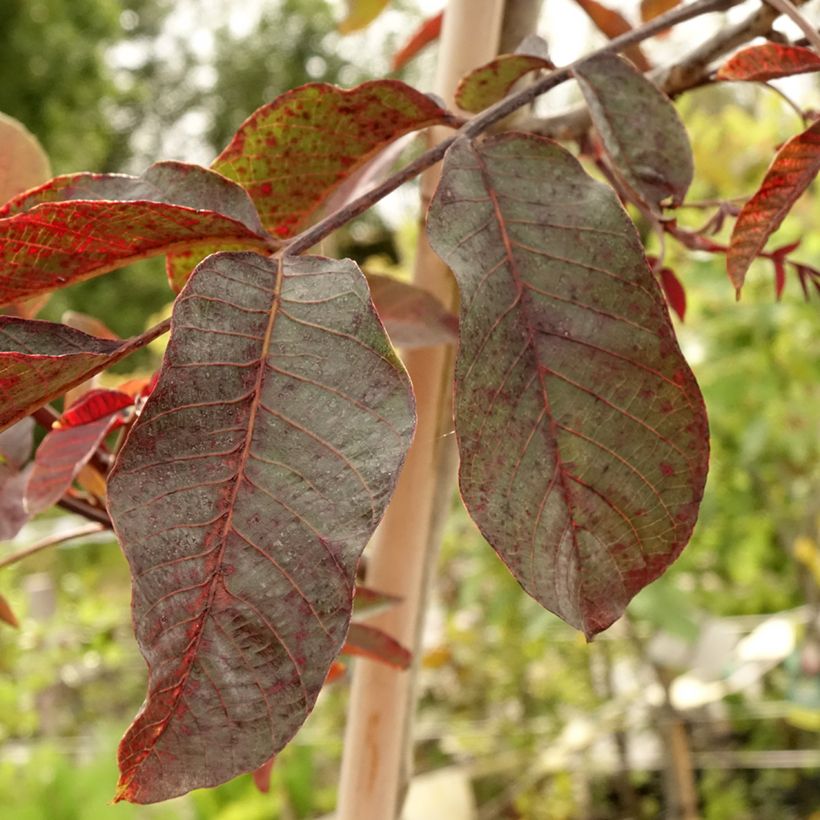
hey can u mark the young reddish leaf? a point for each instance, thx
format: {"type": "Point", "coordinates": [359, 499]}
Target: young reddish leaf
{"type": "Point", "coordinates": [83, 225]}
{"type": "Point", "coordinates": [13, 512]}
{"type": "Point", "coordinates": [779, 276]}
{"type": "Point", "coordinates": [650, 9]}
{"type": "Point", "coordinates": [361, 13]}
{"type": "Point", "coordinates": [41, 360]}
{"type": "Point", "coordinates": [376, 645]}
{"type": "Point", "coordinates": [291, 154]}
{"type": "Point", "coordinates": [612, 24]}
{"type": "Point", "coordinates": [428, 32]}
{"type": "Point", "coordinates": [23, 163]}
{"type": "Point", "coordinates": [93, 406]}
{"type": "Point", "coordinates": [491, 82]}
{"type": "Point", "coordinates": [336, 672]}
{"type": "Point", "coordinates": [674, 292]}
{"type": "Point", "coordinates": [243, 498]}
{"type": "Point", "coordinates": [16, 443]}
{"type": "Point", "coordinates": [411, 316]}
{"type": "Point", "coordinates": [581, 429]}
{"type": "Point", "coordinates": [61, 455]}
{"type": "Point", "coordinates": [7, 614]}
{"type": "Point", "coordinates": [793, 168]}
{"type": "Point", "coordinates": [639, 127]}
{"type": "Point", "coordinates": [768, 62]}
{"type": "Point", "coordinates": [370, 601]}
{"type": "Point", "coordinates": [261, 776]}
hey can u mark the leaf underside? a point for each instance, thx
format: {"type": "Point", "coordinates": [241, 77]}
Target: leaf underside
{"type": "Point", "coordinates": [792, 170]}
{"type": "Point", "coordinates": [243, 498]}
{"type": "Point", "coordinates": [582, 432]}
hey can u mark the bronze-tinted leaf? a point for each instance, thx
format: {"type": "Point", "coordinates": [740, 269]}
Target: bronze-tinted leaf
{"type": "Point", "coordinates": [23, 163]}
{"type": "Point", "coordinates": [639, 127]}
{"type": "Point", "coordinates": [793, 168]}
{"type": "Point", "coordinates": [292, 154]}
{"type": "Point", "coordinates": [83, 225]}
{"type": "Point", "coordinates": [428, 32]}
{"type": "Point", "coordinates": [7, 613]}
{"type": "Point", "coordinates": [581, 429]}
{"type": "Point", "coordinates": [492, 82]}
{"type": "Point", "coordinates": [612, 23]}
{"type": "Point", "coordinates": [376, 645]}
{"type": "Point", "coordinates": [243, 498]}
{"type": "Point", "coordinates": [768, 61]}
{"type": "Point", "coordinates": [650, 9]}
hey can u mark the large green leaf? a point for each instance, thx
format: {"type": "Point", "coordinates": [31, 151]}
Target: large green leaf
{"type": "Point", "coordinates": [243, 498]}
{"type": "Point", "coordinates": [582, 432]}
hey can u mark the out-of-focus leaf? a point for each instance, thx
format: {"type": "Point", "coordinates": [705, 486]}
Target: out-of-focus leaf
{"type": "Point", "coordinates": [336, 672]}
{"type": "Point", "coordinates": [7, 613]}
{"type": "Point", "coordinates": [23, 163]}
{"type": "Point", "coordinates": [92, 481]}
{"type": "Point", "coordinates": [243, 498]}
{"type": "Point", "coordinates": [674, 291]}
{"type": "Point", "coordinates": [376, 645]}
{"type": "Point", "coordinates": [428, 32]}
{"type": "Point", "coordinates": [16, 442]}
{"type": "Point", "coordinates": [793, 168]}
{"type": "Point", "coordinates": [13, 512]}
{"type": "Point", "coordinates": [291, 154]}
{"type": "Point", "coordinates": [650, 9]}
{"type": "Point", "coordinates": [88, 324]}
{"type": "Point", "coordinates": [261, 776]}
{"type": "Point", "coordinates": [581, 429]}
{"type": "Point", "coordinates": [642, 134]}
{"type": "Point", "coordinates": [361, 13]}
{"type": "Point", "coordinates": [768, 62]}
{"type": "Point", "coordinates": [41, 360]}
{"type": "Point", "coordinates": [613, 24]}
{"type": "Point", "coordinates": [370, 601]}
{"type": "Point", "coordinates": [491, 82]}
{"type": "Point", "coordinates": [83, 225]}
{"type": "Point", "coordinates": [93, 406]}
{"type": "Point", "coordinates": [411, 316]}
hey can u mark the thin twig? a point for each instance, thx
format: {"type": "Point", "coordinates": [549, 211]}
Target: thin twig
{"type": "Point", "coordinates": [478, 125]}
{"type": "Point", "coordinates": [50, 541]}
{"type": "Point", "coordinates": [790, 10]}
{"type": "Point", "coordinates": [85, 509]}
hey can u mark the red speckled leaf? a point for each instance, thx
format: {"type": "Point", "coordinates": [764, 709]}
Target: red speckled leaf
{"type": "Point", "coordinates": [640, 129]}
{"type": "Point", "coordinates": [376, 645]}
{"type": "Point", "coordinates": [793, 168]}
{"type": "Point", "coordinates": [83, 225]}
{"type": "Point", "coordinates": [411, 316]}
{"type": "Point", "coordinates": [491, 82]}
{"type": "Point", "coordinates": [428, 32]}
{"type": "Point", "coordinates": [613, 24]}
{"type": "Point", "coordinates": [768, 62]}
{"type": "Point", "coordinates": [361, 13]}
{"type": "Point", "coordinates": [7, 613]}
{"type": "Point", "coordinates": [93, 406]}
{"type": "Point", "coordinates": [581, 429]}
{"type": "Point", "coordinates": [243, 498]}
{"type": "Point", "coordinates": [291, 154]}
{"type": "Point", "coordinates": [650, 9]}
{"type": "Point", "coordinates": [41, 360]}
{"type": "Point", "coordinates": [23, 163]}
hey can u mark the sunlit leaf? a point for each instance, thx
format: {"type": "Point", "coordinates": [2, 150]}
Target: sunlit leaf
{"type": "Point", "coordinates": [428, 32]}
{"type": "Point", "coordinates": [376, 645]}
{"type": "Point", "coordinates": [768, 62]}
{"type": "Point", "coordinates": [650, 9]}
{"type": "Point", "coordinates": [243, 498]}
{"type": "Point", "coordinates": [361, 13]}
{"type": "Point", "coordinates": [411, 316]}
{"type": "Point", "coordinates": [41, 360]}
{"type": "Point", "coordinates": [83, 225]}
{"type": "Point", "coordinates": [7, 613]}
{"type": "Point", "coordinates": [640, 129]}
{"type": "Point", "coordinates": [23, 163]}
{"type": "Point", "coordinates": [792, 170]}
{"type": "Point", "coordinates": [581, 430]}
{"type": "Point", "coordinates": [290, 155]}
{"type": "Point", "coordinates": [492, 82]}
{"type": "Point", "coordinates": [612, 23]}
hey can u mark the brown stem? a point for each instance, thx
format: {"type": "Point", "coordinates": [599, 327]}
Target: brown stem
{"type": "Point", "coordinates": [85, 509]}
{"type": "Point", "coordinates": [50, 541]}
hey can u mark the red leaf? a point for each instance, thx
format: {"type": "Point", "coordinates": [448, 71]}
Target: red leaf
{"type": "Point", "coordinates": [369, 601]}
{"type": "Point", "coordinates": [375, 645]}
{"type": "Point", "coordinates": [428, 32]}
{"type": "Point", "coordinates": [261, 776]}
{"type": "Point", "coordinates": [60, 457]}
{"type": "Point", "coordinates": [93, 406]}
{"type": "Point", "coordinates": [16, 443]}
{"type": "Point", "coordinates": [779, 276]}
{"type": "Point", "coordinates": [642, 135]}
{"type": "Point", "coordinates": [7, 614]}
{"type": "Point", "coordinates": [243, 498]}
{"type": "Point", "coordinates": [41, 360]}
{"type": "Point", "coordinates": [613, 24]}
{"type": "Point", "coordinates": [793, 168]}
{"type": "Point", "coordinates": [336, 672]}
{"type": "Point", "coordinates": [83, 225]}
{"type": "Point", "coordinates": [581, 430]}
{"type": "Point", "coordinates": [491, 82]}
{"type": "Point", "coordinates": [674, 292]}
{"type": "Point", "coordinates": [411, 316]}
{"type": "Point", "coordinates": [768, 62]}
{"type": "Point", "coordinates": [291, 154]}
